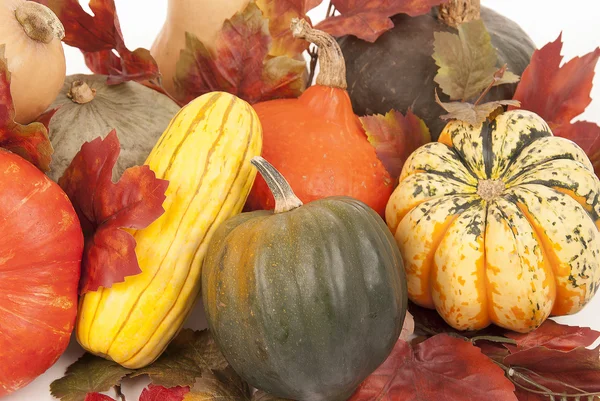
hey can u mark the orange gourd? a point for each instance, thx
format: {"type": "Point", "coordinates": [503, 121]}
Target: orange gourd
{"type": "Point", "coordinates": [317, 142]}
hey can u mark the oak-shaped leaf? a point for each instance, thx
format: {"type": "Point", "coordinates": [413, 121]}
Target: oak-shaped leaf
{"type": "Point", "coordinates": [239, 63]}
{"type": "Point", "coordinates": [219, 385]}
{"type": "Point", "coordinates": [554, 336]}
{"type": "Point", "coordinates": [395, 137]}
{"type": "Point", "coordinates": [97, 36]}
{"type": "Point", "coordinates": [89, 374]}
{"type": "Point", "coordinates": [188, 357]}
{"type": "Point", "coordinates": [106, 209]}
{"type": "Point", "coordinates": [160, 393]}
{"type": "Point", "coordinates": [466, 61]}
{"type": "Point", "coordinates": [559, 94]}
{"type": "Point", "coordinates": [98, 397]}
{"type": "Point", "coordinates": [30, 141]}
{"type": "Point", "coordinates": [369, 19]}
{"type": "Point", "coordinates": [441, 368]}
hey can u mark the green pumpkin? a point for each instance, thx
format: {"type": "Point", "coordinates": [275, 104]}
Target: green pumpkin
{"type": "Point", "coordinates": [305, 301]}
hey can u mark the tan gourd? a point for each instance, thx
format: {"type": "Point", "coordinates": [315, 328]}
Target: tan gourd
{"type": "Point", "coordinates": [32, 35]}
{"type": "Point", "coordinates": [203, 18]}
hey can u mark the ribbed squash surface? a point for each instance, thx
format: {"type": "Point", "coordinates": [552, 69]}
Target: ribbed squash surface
{"type": "Point", "coordinates": [205, 154]}
{"type": "Point", "coordinates": [499, 224]}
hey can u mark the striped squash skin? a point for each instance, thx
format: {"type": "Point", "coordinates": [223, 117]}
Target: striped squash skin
{"type": "Point", "coordinates": [522, 249]}
{"type": "Point", "coordinates": [205, 154]}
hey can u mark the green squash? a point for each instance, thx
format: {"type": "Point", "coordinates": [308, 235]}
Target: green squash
{"type": "Point", "coordinates": [308, 300]}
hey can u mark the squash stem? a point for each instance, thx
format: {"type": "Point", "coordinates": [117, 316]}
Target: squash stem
{"type": "Point", "coordinates": [39, 22]}
{"type": "Point", "coordinates": [332, 64]}
{"type": "Point", "coordinates": [285, 199]}
{"type": "Point", "coordinates": [81, 93]}
{"type": "Point", "coordinates": [456, 12]}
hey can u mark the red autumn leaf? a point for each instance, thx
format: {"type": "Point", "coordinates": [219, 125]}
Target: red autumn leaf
{"type": "Point", "coordinates": [561, 93]}
{"type": "Point", "coordinates": [98, 397]}
{"type": "Point", "coordinates": [106, 208]}
{"type": "Point", "coordinates": [96, 36]}
{"type": "Point", "coordinates": [160, 393]}
{"type": "Point", "coordinates": [239, 63]}
{"type": "Point", "coordinates": [557, 370]}
{"type": "Point", "coordinates": [28, 141]}
{"type": "Point", "coordinates": [369, 19]}
{"type": "Point", "coordinates": [442, 368]}
{"type": "Point", "coordinates": [555, 336]}
{"type": "Point", "coordinates": [395, 137]}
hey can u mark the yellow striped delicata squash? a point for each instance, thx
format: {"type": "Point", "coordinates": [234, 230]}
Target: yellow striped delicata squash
{"type": "Point", "coordinates": [205, 154]}
{"type": "Point", "coordinates": [498, 223]}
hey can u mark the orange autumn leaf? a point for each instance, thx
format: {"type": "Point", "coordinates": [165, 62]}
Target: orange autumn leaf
{"type": "Point", "coordinates": [369, 19]}
{"type": "Point", "coordinates": [28, 141]}
{"type": "Point", "coordinates": [105, 209]}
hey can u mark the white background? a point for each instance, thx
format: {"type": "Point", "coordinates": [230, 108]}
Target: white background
{"type": "Point", "coordinates": [543, 20]}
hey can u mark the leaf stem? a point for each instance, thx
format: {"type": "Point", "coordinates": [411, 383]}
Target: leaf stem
{"type": "Point", "coordinates": [495, 339]}
{"type": "Point", "coordinates": [119, 393]}
{"type": "Point", "coordinates": [497, 76]}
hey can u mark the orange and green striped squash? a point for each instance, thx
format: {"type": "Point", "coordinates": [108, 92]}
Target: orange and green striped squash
{"type": "Point", "coordinates": [205, 155]}
{"type": "Point", "coordinates": [498, 223]}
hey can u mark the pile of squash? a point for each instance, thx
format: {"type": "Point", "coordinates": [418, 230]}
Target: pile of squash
{"type": "Point", "coordinates": [287, 260]}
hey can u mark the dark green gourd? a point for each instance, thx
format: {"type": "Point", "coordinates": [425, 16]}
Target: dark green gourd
{"type": "Point", "coordinates": [307, 300]}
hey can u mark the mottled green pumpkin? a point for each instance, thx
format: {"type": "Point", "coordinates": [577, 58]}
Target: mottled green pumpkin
{"type": "Point", "coordinates": [307, 300]}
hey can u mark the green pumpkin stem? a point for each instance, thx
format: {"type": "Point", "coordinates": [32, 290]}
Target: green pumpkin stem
{"type": "Point", "coordinates": [331, 59]}
{"type": "Point", "coordinates": [285, 199]}
{"type": "Point", "coordinates": [456, 12]}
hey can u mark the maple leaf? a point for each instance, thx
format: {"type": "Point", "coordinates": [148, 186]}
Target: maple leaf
{"type": "Point", "coordinates": [558, 94]}
{"type": "Point", "coordinates": [98, 397]}
{"type": "Point", "coordinates": [239, 63]}
{"type": "Point", "coordinates": [89, 374]}
{"type": "Point", "coordinates": [466, 61]}
{"type": "Point", "coordinates": [186, 358]}
{"type": "Point", "coordinates": [280, 14]}
{"type": "Point", "coordinates": [96, 36]}
{"type": "Point", "coordinates": [395, 137]}
{"type": "Point", "coordinates": [31, 141]}
{"type": "Point", "coordinates": [474, 114]}
{"type": "Point", "coordinates": [369, 19]}
{"type": "Point", "coordinates": [219, 385]}
{"type": "Point", "coordinates": [160, 393]}
{"type": "Point", "coordinates": [105, 209]}
{"type": "Point", "coordinates": [555, 336]}
{"type": "Point", "coordinates": [440, 368]}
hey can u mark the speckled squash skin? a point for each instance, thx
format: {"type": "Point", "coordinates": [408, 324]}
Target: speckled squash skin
{"type": "Point", "coordinates": [397, 71]}
{"type": "Point", "coordinates": [305, 304]}
{"type": "Point", "coordinates": [498, 223]}
{"type": "Point", "coordinates": [139, 114]}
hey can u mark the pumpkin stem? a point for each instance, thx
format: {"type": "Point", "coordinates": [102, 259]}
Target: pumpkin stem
{"type": "Point", "coordinates": [456, 12]}
{"type": "Point", "coordinates": [81, 93]}
{"type": "Point", "coordinates": [285, 199]}
{"type": "Point", "coordinates": [39, 22]}
{"type": "Point", "coordinates": [332, 64]}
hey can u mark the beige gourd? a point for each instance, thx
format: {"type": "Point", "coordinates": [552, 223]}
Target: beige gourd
{"type": "Point", "coordinates": [32, 37]}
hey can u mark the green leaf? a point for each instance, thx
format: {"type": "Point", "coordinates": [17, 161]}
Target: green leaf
{"type": "Point", "coordinates": [218, 386]}
{"type": "Point", "coordinates": [188, 357]}
{"type": "Point", "coordinates": [470, 113]}
{"type": "Point", "coordinates": [89, 374]}
{"type": "Point", "coordinates": [466, 61]}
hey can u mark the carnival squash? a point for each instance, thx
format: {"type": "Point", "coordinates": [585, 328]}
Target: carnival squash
{"type": "Point", "coordinates": [307, 300]}
{"type": "Point", "coordinates": [498, 223]}
{"type": "Point", "coordinates": [40, 255]}
{"type": "Point", "coordinates": [397, 71]}
{"type": "Point", "coordinates": [89, 108]}
{"type": "Point", "coordinates": [32, 34]}
{"type": "Point", "coordinates": [205, 154]}
{"type": "Point", "coordinates": [317, 142]}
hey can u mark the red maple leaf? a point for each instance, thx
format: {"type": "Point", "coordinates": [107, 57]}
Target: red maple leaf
{"type": "Point", "coordinates": [28, 141]}
{"type": "Point", "coordinates": [160, 393]}
{"type": "Point", "coordinates": [96, 36]}
{"type": "Point", "coordinates": [558, 94]}
{"type": "Point", "coordinates": [395, 137]}
{"type": "Point", "coordinates": [369, 19]}
{"type": "Point", "coordinates": [98, 397]}
{"type": "Point", "coordinates": [105, 208]}
{"type": "Point", "coordinates": [442, 368]}
{"type": "Point", "coordinates": [239, 64]}
{"type": "Point", "coordinates": [555, 336]}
